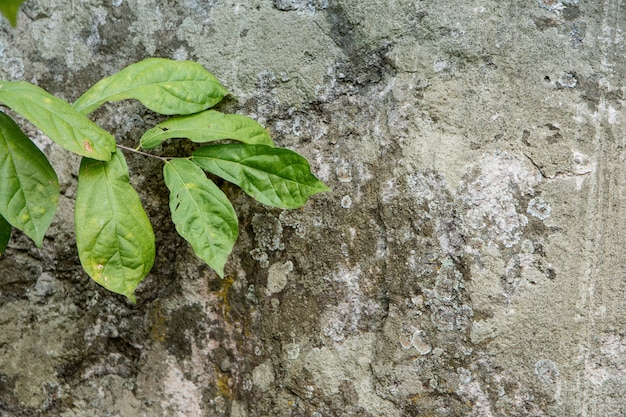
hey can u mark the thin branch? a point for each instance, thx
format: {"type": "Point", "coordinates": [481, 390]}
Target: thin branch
{"type": "Point", "coordinates": [142, 153]}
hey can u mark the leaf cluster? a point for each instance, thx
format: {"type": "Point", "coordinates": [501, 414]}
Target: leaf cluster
{"type": "Point", "coordinates": [114, 238]}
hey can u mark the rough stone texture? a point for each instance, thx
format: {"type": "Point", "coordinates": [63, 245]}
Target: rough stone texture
{"type": "Point", "coordinates": [468, 262]}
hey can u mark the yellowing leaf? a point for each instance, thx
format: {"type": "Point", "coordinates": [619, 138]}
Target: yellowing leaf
{"type": "Point", "coordinates": [58, 120]}
{"type": "Point", "coordinates": [113, 234]}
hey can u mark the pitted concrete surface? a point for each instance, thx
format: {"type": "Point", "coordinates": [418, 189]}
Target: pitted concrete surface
{"type": "Point", "coordinates": [469, 260]}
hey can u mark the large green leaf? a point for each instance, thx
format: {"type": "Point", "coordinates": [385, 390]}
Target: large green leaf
{"type": "Point", "coordinates": [58, 120]}
{"type": "Point", "coordinates": [29, 188]}
{"type": "Point", "coordinates": [201, 212]}
{"type": "Point", "coordinates": [274, 176]}
{"type": "Point", "coordinates": [113, 234]}
{"type": "Point", "coordinates": [162, 85]}
{"type": "Point", "coordinates": [9, 9]}
{"type": "Point", "coordinates": [207, 126]}
{"type": "Point", "coordinates": [5, 234]}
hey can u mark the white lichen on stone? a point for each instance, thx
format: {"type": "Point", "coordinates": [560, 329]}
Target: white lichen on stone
{"type": "Point", "coordinates": [581, 163]}
{"type": "Point", "coordinates": [567, 79]}
{"type": "Point", "coordinates": [181, 396]}
{"type": "Point", "coordinates": [492, 198]}
{"type": "Point", "coordinates": [448, 311]}
{"type": "Point", "coordinates": [263, 376]}
{"type": "Point", "coordinates": [552, 5]}
{"type": "Point", "coordinates": [420, 345]}
{"type": "Point", "coordinates": [352, 306]}
{"type": "Point", "coordinates": [277, 276]}
{"type": "Point", "coordinates": [10, 64]}
{"type": "Point", "coordinates": [539, 208]}
{"type": "Point", "coordinates": [292, 351]}
{"type": "Point", "coordinates": [547, 371]}
{"type": "Point", "coordinates": [76, 39]}
{"type": "Point", "coordinates": [350, 362]}
{"type": "Point", "coordinates": [474, 392]}
{"type": "Point", "coordinates": [150, 19]}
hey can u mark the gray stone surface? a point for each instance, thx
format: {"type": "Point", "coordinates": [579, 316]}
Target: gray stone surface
{"type": "Point", "coordinates": [468, 262]}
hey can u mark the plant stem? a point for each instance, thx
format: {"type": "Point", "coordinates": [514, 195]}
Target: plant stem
{"type": "Point", "coordinates": [142, 153]}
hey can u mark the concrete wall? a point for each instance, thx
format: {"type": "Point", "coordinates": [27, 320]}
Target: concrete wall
{"type": "Point", "coordinates": [469, 261]}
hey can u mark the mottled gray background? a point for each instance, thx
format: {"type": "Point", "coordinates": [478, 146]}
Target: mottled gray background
{"type": "Point", "coordinates": [468, 262]}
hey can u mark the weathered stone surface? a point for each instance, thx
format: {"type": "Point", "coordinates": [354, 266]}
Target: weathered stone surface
{"type": "Point", "coordinates": [468, 262]}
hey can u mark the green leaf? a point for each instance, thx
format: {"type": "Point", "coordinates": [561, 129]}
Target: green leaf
{"type": "Point", "coordinates": [29, 188]}
{"type": "Point", "coordinates": [162, 85]}
{"type": "Point", "coordinates": [203, 215]}
{"type": "Point", "coordinates": [9, 9]}
{"type": "Point", "coordinates": [113, 234]}
{"type": "Point", "coordinates": [274, 176]}
{"type": "Point", "coordinates": [5, 234]}
{"type": "Point", "coordinates": [207, 126]}
{"type": "Point", "coordinates": [58, 120]}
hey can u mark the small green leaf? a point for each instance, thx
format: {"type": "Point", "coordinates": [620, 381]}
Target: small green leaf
{"type": "Point", "coordinates": [207, 126]}
{"type": "Point", "coordinates": [5, 234]}
{"type": "Point", "coordinates": [29, 188]}
{"type": "Point", "coordinates": [9, 9]}
{"type": "Point", "coordinates": [114, 237]}
{"type": "Point", "coordinates": [203, 215]}
{"type": "Point", "coordinates": [274, 176]}
{"type": "Point", "coordinates": [162, 85]}
{"type": "Point", "coordinates": [58, 120]}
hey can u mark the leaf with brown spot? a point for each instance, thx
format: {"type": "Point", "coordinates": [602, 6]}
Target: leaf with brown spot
{"type": "Point", "coordinates": [58, 120]}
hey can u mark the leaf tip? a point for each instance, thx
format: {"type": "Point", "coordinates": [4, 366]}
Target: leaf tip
{"type": "Point", "coordinates": [11, 17]}
{"type": "Point", "coordinates": [323, 188]}
{"type": "Point", "coordinates": [36, 236]}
